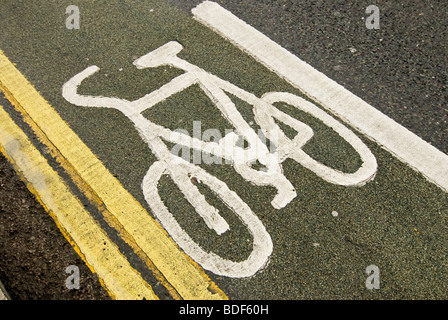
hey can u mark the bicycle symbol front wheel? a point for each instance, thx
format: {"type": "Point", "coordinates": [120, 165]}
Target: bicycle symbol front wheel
{"type": "Point", "coordinates": [265, 114]}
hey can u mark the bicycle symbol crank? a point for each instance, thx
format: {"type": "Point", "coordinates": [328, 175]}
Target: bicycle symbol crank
{"type": "Point", "coordinates": [181, 170]}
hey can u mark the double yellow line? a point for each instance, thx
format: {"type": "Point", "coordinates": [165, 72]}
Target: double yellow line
{"type": "Point", "coordinates": [181, 276]}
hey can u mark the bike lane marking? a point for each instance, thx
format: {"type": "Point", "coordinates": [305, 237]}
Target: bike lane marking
{"type": "Point", "coordinates": [240, 288]}
{"type": "Point", "coordinates": [183, 278]}
{"type": "Point", "coordinates": [399, 141]}
{"type": "Point", "coordinates": [150, 132]}
{"type": "Point", "coordinates": [86, 236]}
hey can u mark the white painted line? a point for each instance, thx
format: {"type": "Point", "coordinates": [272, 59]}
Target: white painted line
{"type": "Point", "coordinates": [3, 293]}
{"type": "Point", "coordinates": [399, 141]}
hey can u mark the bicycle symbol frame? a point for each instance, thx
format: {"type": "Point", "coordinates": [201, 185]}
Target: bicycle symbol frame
{"type": "Point", "coordinates": [181, 170]}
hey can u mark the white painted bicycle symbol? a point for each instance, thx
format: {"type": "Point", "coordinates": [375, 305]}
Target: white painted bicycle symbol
{"type": "Point", "coordinates": [180, 170]}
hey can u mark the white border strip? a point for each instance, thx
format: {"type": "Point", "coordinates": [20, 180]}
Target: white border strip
{"type": "Point", "coordinates": [390, 135]}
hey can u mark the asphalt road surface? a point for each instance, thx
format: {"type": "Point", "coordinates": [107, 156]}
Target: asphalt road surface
{"type": "Point", "coordinates": [328, 235]}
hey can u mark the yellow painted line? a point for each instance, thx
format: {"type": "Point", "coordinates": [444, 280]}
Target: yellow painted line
{"type": "Point", "coordinates": [89, 240]}
{"type": "Point", "coordinates": [177, 272]}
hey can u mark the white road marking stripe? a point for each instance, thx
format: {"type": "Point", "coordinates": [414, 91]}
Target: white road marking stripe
{"type": "Point", "coordinates": [399, 141]}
